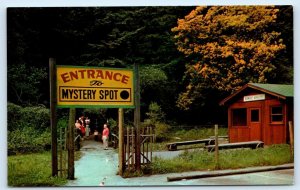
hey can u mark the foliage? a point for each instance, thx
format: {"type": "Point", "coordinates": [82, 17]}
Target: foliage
{"type": "Point", "coordinates": [229, 159]}
{"type": "Point", "coordinates": [196, 133]}
{"type": "Point", "coordinates": [138, 34]}
{"type": "Point", "coordinates": [155, 114]}
{"type": "Point", "coordinates": [28, 128]}
{"type": "Point", "coordinates": [152, 78]}
{"type": "Point", "coordinates": [285, 60]}
{"type": "Point", "coordinates": [23, 81]}
{"type": "Point", "coordinates": [28, 139]}
{"type": "Point", "coordinates": [89, 112]}
{"type": "Point", "coordinates": [96, 36]}
{"type": "Point", "coordinates": [32, 170]}
{"type": "Point", "coordinates": [62, 123]}
{"type": "Point", "coordinates": [37, 117]}
{"type": "Point", "coordinates": [13, 116]}
{"type": "Point", "coordinates": [112, 124]}
{"type": "Point", "coordinates": [161, 131]}
{"type": "Point", "coordinates": [156, 119]}
{"type": "Point", "coordinates": [226, 47]}
{"type": "Point", "coordinates": [120, 37]}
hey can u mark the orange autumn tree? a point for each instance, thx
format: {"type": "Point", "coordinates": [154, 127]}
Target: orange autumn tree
{"type": "Point", "coordinates": [227, 47]}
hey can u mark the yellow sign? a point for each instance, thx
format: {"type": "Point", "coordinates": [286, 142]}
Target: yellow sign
{"type": "Point", "coordinates": [94, 86]}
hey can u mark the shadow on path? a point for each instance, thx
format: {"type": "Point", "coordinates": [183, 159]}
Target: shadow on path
{"type": "Point", "coordinates": [96, 165]}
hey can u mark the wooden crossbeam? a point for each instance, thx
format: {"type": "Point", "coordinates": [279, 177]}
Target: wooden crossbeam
{"type": "Point", "coordinates": [248, 144]}
{"type": "Point", "coordinates": [173, 146]}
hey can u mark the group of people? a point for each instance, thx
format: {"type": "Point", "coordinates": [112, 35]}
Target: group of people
{"type": "Point", "coordinates": [81, 125]}
{"type": "Point", "coordinates": [82, 128]}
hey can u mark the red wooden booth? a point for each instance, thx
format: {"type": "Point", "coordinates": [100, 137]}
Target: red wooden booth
{"type": "Point", "coordinates": [260, 112]}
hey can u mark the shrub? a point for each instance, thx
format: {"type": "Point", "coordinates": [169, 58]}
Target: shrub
{"type": "Point", "coordinates": [13, 116]}
{"type": "Point", "coordinates": [155, 113]}
{"type": "Point", "coordinates": [112, 124]}
{"type": "Point", "coordinates": [37, 117]}
{"type": "Point", "coordinates": [28, 128]}
{"type": "Point", "coordinates": [27, 139]}
{"type": "Point", "coordinates": [156, 118]}
{"type": "Point", "coordinates": [161, 130]}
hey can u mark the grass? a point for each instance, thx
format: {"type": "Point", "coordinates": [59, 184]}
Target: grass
{"type": "Point", "coordinates": [175, 135]}
{"type": "Point", "coordinates": [33, 170]}
{"type": "Point", "coordinates": [198, 160]}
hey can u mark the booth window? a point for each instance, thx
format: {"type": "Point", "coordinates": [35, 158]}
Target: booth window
{"type": "Point", "coordinates": [276, 114]}
{"type": "Point", "coordinates": [254, 115]}
{"type": "Point", "coordinates": [239, 117]}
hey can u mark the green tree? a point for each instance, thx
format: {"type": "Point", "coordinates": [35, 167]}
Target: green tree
{"type": "Point", "coordinates": [227, 47]}
{"type": "Point", "coordinates": [23, 83]}
{"type": "Point", "coordinates": [93, 36]}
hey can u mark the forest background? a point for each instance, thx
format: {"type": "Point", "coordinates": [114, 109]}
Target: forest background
{"type": "Point", "coordinates": [190, 58]}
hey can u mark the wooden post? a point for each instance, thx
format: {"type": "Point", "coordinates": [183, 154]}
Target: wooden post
{"type": "Point", "coordinates": [121, 141]}
{"type": "Point", "coordinates": [137, 118]}
{"type": "Point", "coordinates": [60, 152]}
{"type": "Point", "coordinates": [151, 141]}
{"type": "Point", "coordinates": [216, 147]}
{"type": "Point", "coordinates": [128, 148]}
{"type": "Point", "coordinates": [133, 147]}
{"type": "Point", "coordinates": [53, 122]}
{"type": "Point", "coordinates": [291, 132]}
{"type": "Point", "coordinates": [71, 169]}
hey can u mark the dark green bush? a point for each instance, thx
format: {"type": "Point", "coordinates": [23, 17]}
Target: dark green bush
{"type": "Point", "coordinates": [156, 119]}
{"type": "Point", "coordinates": [27, 139]}
{"type": "Point", "coordinates": [13, 116]}
{"type": "Point", "coordinates": [37, 117]}
{"type": "Point", "coordinates": [28, 128]}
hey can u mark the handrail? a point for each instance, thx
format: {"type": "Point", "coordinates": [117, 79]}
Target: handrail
{"type": "Point", "coordinates": [76, 138]}
{"type": "Point", "coordinates": [114, 135]}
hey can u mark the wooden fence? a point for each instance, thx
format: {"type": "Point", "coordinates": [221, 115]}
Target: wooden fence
{"type": "Point", "coordinates": [146, 139]}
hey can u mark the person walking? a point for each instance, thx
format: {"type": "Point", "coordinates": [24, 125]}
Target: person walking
{"type": "Point", "coordinates": [105, 134]}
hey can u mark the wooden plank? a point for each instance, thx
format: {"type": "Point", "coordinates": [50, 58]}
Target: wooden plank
{"type": "Point", "coordinates": [173, 146]}
{"type": "Point", "coordinates": [220, 137]}
{"type": "Point", "coordinates": [225, 173]}
{"type": "Point", "coordinates": [249, 144]}
{"type": "Point", "coordinates": [192, 142]}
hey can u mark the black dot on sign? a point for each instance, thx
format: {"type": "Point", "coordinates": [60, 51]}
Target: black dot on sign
{"type": "Point", "coordinates": [124, 95]}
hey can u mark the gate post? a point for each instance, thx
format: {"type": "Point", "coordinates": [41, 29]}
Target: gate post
{"type": "Point", "coordinates": [137, 118]}
{"type": "Point", "coordinates": [71, 168]}
{"type": "Point", "coordinates": [291, 133]}
{"type": "Point", "coordinates": [121, 141]}
{"type": "Point", "coordinates": [53, 122]}
{"type": "Point", "coordinates": [217, 146]}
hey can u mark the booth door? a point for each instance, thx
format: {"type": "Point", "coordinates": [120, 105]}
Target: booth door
{"type": "Point", "coordinates": [255, 123]}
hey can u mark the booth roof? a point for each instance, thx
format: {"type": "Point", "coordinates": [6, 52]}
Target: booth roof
{"type": "Point", "coordinates": [281, 90]}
